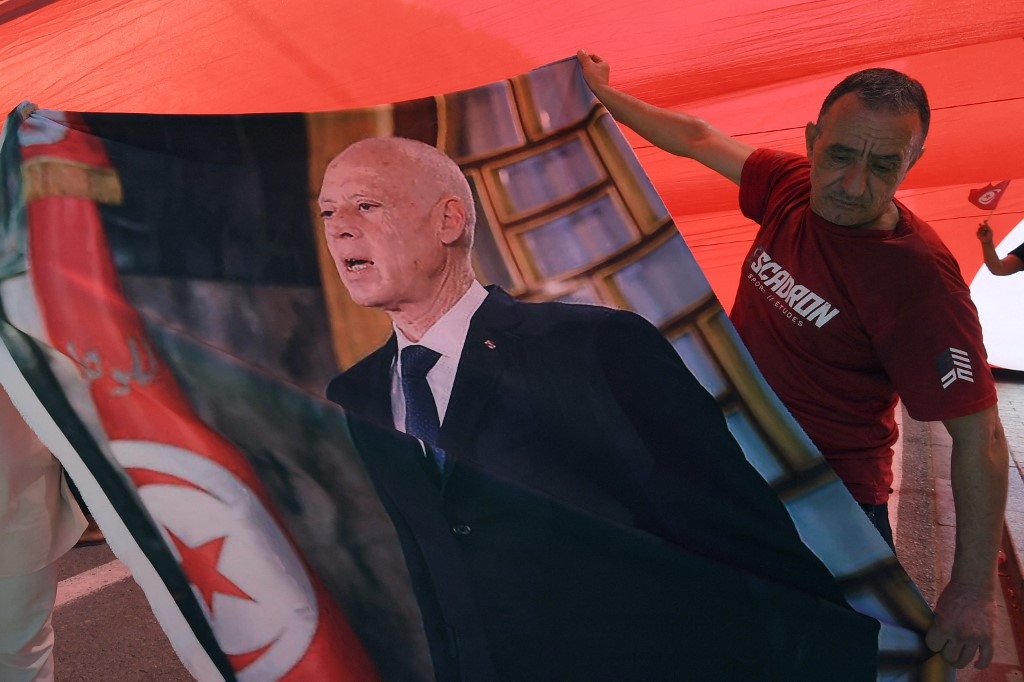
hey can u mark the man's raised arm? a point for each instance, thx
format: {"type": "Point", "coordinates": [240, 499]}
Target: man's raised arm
{"type": "Point", "coordinates": [675, 132]}
{"type": "Point", "coordinates": [996, 265]}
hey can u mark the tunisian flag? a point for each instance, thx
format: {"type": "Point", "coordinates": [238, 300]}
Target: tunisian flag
{"type": "Point", "coordinates": [988, 197]}
{"type": "Point", "coordinates": [205, 498]}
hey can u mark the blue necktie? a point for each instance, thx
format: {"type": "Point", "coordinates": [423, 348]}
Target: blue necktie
{"type": "Point", "coordinates": [421, 418]}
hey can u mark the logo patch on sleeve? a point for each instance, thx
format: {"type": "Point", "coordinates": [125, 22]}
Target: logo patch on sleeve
{"type": "Point", "coordinates": [954, 364]}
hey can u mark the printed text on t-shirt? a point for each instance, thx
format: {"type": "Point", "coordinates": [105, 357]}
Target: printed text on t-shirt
{"type": "Point", "coordinates": [795, 301]}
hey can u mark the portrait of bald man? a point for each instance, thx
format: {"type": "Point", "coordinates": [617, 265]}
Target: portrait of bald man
{"type": "Point", "coordinates": [575, 507]}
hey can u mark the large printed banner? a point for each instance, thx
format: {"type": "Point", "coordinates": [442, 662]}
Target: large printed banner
{"type": "Point", "coordinates": [619, 494]}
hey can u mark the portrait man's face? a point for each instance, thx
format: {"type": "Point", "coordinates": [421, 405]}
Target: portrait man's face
{"type": "Point", "coordinates": [382, 229]}
{"type": "Point", "coordinates": [858, 158]}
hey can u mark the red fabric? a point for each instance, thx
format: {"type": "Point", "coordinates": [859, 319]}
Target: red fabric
{"type": "Point", "coordinates": [988, 196]}
{"type": "Point", "coordinates": [755, 68]}
{"type": "Point", "coordinates": [840, 320]}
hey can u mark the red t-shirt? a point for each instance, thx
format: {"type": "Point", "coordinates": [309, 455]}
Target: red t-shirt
{"type": "Point", "coordinates": [842, 320]}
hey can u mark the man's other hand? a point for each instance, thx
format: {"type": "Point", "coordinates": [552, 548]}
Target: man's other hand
{"type": "Point", "coordinates": [962, 628]}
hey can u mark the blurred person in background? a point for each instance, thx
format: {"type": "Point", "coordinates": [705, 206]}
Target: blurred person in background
{"type": "Point", "coordinates": [1000, 267]}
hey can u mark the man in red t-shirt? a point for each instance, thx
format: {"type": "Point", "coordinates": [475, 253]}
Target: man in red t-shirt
{"type": "Point", "coordinates": [848, 302]}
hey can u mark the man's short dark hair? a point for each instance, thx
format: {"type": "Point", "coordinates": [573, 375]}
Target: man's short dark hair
{"type": "Point", "coordinates": [884, 90]}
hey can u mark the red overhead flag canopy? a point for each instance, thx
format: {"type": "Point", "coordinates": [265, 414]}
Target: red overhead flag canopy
{"type": "Point", "coordinates": [755, 68]}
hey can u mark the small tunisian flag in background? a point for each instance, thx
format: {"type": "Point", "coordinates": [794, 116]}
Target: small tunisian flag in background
{"type": "Point", "coordinates": [988, 196]}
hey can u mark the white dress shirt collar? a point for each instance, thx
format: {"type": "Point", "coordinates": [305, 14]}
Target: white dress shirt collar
{"type": "Point", "coordinates": [447, 337]}
{"type": "Point", "coordinates": [448, 334]}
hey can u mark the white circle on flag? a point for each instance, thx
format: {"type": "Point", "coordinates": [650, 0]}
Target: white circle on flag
{"type": "Point", "coordinates": [272, 615]}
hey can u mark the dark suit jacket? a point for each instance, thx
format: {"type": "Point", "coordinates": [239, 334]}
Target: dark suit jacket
{"type": "Point", "coordinates": [596, 520]}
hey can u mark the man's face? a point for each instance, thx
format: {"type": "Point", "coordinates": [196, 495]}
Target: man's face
{"type": "Point", "coordinates": [858, 158]}
{"type": "Point", "coordinates": [381, 229]}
